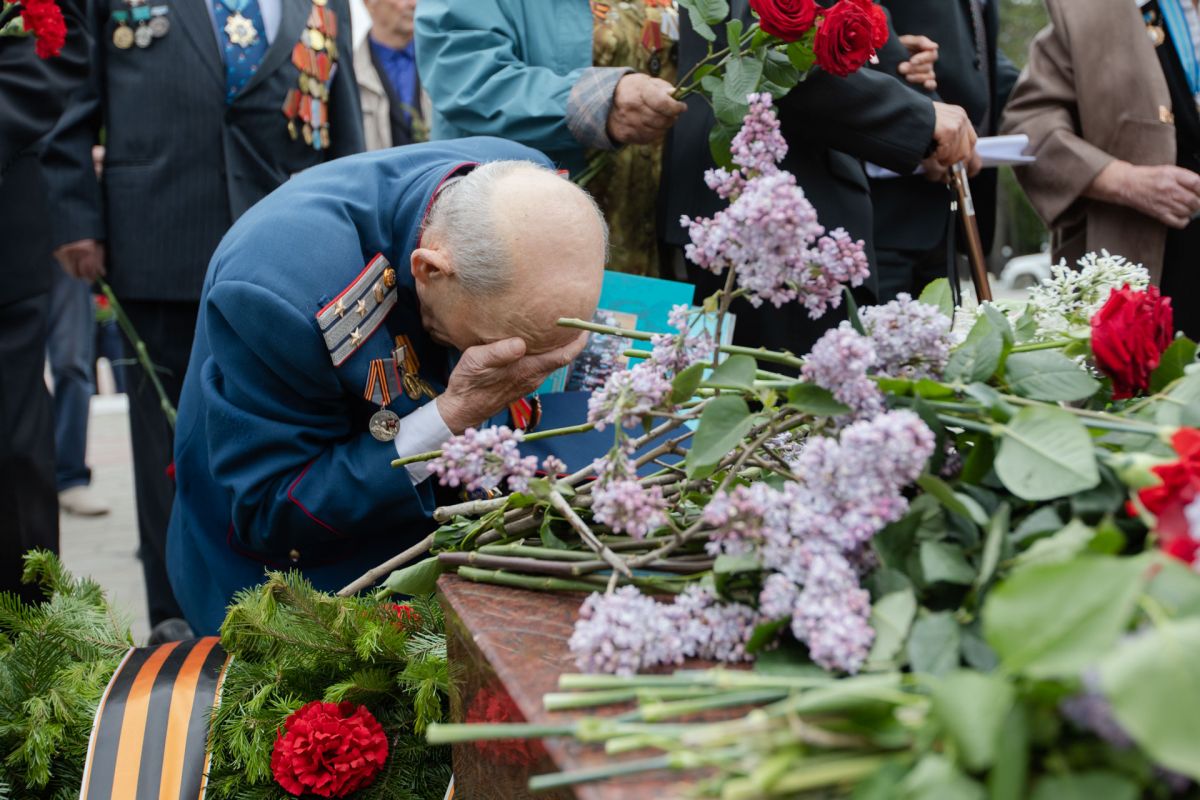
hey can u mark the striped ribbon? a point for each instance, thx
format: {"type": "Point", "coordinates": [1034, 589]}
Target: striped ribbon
{"type": "Point", "coordinates": [149, 738]}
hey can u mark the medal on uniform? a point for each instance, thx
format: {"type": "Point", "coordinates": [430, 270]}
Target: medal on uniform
{"type": "Point", "coordinates": [122, 37]}
{"type": "Point", "coordinates": [408, 365]}
{"type": "Point", "coordinates": [383, 383]}
{"type": "Point", "coordinates": [159, 25]}
{"type": "Point", "coordinates": [1154, 28]}
{"type": "Point", "coordinates": [240, 30]}
{"type": "Point", "coordinates": [315, 56]}
{"type": "Point", "coordinates": [526, 413]}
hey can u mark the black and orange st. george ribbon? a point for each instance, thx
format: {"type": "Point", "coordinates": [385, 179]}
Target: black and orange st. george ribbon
{"type": "Point", "coordinates": [149, 738]}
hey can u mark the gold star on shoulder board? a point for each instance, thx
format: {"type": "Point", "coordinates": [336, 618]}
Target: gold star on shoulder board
{"type": "Point", "coordinates": [361, 308]}
{"type": "Point", "coordinates": [340, 309]}
{"type": "Point", "coordinates": [355, 336]}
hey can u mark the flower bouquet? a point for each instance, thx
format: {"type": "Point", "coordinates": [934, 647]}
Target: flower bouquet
{"type": "Point", "coordinates": [41, 19]}
{"type": "Point", "coordinates": [949, 552]}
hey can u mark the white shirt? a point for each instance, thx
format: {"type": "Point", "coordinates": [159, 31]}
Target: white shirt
{"type": "Point", "coordinates": [421, 431]}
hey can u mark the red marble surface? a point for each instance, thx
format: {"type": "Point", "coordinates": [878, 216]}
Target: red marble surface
{"type": "Point", "coordinates": [509, 643]}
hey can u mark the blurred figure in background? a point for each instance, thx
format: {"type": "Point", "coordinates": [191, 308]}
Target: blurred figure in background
{"type": "Point", "coordinates": [913, 221]}
{"type": "Point", "coordinates": [574, 79]}
{"type": "Point", "coordinates": [72, 357]}
{"type": "Point", "coordinates": [33, 93]}
{"type": "Point", "coordinates": [207, 106]}
{"type": "Point", "coordinates": [1109, 101]}
{"type": "Point", "coordinates": [394, 107]}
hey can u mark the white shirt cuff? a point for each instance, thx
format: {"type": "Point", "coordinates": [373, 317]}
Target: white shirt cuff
{"type": "Point", "coordinates": [421, 431]}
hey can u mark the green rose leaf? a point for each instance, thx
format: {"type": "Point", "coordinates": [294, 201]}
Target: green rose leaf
{"type": "Point", "coordinates": [1170, 367]}
{"type": "Point", "coordinates": [972, 708]}
{"type": "Point", "coordinates": [723, 423]}
{"type": "Point", "coordinates": [741, 77]}
{"type": "Point", "coordinates": [1154, 687]}
{"type": "Point", "coordinates": [1054, 620]}
{"type": "Point", "coordinates": [937, 293]}
{"type": "Point", "coordinates": [735, 372]}
{"type": "Point", "coordinates": [815, 400]}
{"type": "Point", "coordinates": [1046, 453]}
{"type": "Point", "coordinates": [1062, 546]}
{"type": "Point", "coordinates": [801, 55]}
{"type": "Point", "coordinates": [417, 579]}
{"type": "Point", "coordinates": [1050, 376]}
{"type": "Point", "coordinates": [933, 643]}
{"type": "Point", "coordinates": [703, 14]}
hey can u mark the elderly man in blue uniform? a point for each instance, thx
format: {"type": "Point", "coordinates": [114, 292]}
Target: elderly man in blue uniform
{"type": "Point", "coordinates": [307, 362]}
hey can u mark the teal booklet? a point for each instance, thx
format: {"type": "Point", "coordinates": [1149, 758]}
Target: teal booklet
{"type": "Point", "coordinates": [626, 301]}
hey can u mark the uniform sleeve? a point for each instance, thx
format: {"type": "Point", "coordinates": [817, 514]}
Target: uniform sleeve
{"type": "Point", "coordinates": [280, 438]}
{"type": "Point", "coordinates": [468, 56]}
{"type": "Point", "coordinates": [867, 114]}
{"type": "Point", "coordinates": [1044, 107]}
{"type": "Point", "coordinates": [344, 101]}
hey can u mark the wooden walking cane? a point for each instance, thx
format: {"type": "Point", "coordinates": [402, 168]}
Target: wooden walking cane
{"type": "Point", "coordinates": [966, 210]}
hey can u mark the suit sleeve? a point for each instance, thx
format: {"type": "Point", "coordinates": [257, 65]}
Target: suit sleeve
{"type": "Point", "coordinates": [280, 438]}
{"type": "Point", "coordinates": [74, 190]}
{"type": "Point", "coordinates": [345, 103]}
{"type": "Point", "coordinates": [1006, 78]}
{"type": "Point", "coordinates": [867, 114]}
{"type": "Point", "coordinates": [1044, 106]}
{"type": "Point", "coordinates": [34, 91]}
{"type": "Point", "coordinates": [467, 56]}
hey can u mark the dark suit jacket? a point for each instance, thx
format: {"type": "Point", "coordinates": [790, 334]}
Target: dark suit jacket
{"type": "Point", "coordinates": [912, 213]}
{"type": "Point", "coordinates": [182, 164]}
{"type": "Point", "coordinates": [864, 116]}
{"type": "Point", "coordinates": [33, 93]}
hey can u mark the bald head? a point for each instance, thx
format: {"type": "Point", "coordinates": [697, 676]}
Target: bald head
{"type": "Point", "coordinates": [520, 247]}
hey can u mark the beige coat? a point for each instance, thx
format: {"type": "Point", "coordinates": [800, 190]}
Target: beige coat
{"type": "Point", "coordinates": [1094, 91]}
{"type": "Point", "coordinates": [377, 121]}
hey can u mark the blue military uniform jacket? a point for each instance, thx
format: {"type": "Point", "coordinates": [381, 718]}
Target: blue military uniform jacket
{"type": "Point", "coordinates": [274, 464]}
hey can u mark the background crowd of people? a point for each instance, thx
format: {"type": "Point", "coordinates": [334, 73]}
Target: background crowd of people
{"type": "Point", "coordinates": [129, 156]}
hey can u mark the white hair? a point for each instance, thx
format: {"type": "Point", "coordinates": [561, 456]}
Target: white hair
{"type": "Point", "coordinates": [462, 220]}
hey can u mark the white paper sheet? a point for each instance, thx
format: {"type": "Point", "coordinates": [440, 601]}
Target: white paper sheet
{"type": "Point", "coordinates": [996, 151]}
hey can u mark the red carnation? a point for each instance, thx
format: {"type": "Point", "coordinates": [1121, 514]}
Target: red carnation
{"type": "Point", "coordinates": [44, 19]}
{"type": "Point", "coordinates": [1129, 335]}
{"type": "Point", "coordinates": [1168, 500]}
{"type": "Point", "coordinates": [785, 19]}
{"type": "Point", "coordinates": [849, 35]}
{"type": "Point", "coordinates": [328, 749]}
{"type": "Point", "coordinates": [495, 705]}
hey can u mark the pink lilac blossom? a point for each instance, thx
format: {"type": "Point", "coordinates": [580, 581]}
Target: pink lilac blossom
{"type": "Point", "coordinates": [737, 518]}
{"type": "Point", "coordinates": [769, 234]}
{"type": "Point", "coordinates": [911, 339]}
{"type": "Point", "coordinates": [627, 507]}
{"type": "Point", "coordinates": [675, 352]}
{"type": "Point", "coordinates": [625, 631]}
{"type": "Point", "coordinates": [481, 459]}
{"type": "Point", "coordinates": [553, 466]}
{"type": "Point", "coordinates": [833, 613]}
{"type": "Point", "coordinates": [629, 395]}
{"type": "Point", "coordinates": [839, 362]}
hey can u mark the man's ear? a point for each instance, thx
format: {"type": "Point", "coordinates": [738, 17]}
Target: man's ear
{"type": "Point", "coordinates": [430, 265]}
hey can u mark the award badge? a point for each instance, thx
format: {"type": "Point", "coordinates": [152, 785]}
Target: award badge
{"type": "Point", "coordinates": [525, 413]}
{"type": "Point", "coordinates": [383, 383]}
{"type": "Point", "coordinates": [139, 24]}
{"type": "Point", "coordinates": [407, 364]}
{"type": "Point", "coordinates": [306, 107]}
{"type": "Point", "coordinates": [1154, 28]}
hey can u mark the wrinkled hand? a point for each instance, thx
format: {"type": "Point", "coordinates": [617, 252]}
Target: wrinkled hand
{"type": "Point", "coordinates": [954, 134]}
{"type": "Point", "coordinates": [1169, 194]}
{"type": "Point", "coordinates": [83, 259]}
{"type": "Point", "coordinates": [643, 110]}
{"type": "Point", "coordinates": [919, 69]}
{"type": "Point", "coordinates": [490, 376]}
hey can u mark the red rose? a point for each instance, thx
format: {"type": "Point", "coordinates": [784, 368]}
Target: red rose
{"type": "Point", "coordinates": [849, 35]}
{"type": "Point", "coordinates": [45, 20]}
{"type": "Point", "coordinates": [1168, 500]}
{"type": "Point", "coordinates": [1129, 335]}
{"type": "Point", "coordinates": [785, 19]}
{"type": "Point", "coordinates": [328, 749]}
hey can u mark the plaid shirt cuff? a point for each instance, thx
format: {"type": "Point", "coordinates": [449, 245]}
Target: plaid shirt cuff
{"type": "Point", "coordinates": [588, 106]}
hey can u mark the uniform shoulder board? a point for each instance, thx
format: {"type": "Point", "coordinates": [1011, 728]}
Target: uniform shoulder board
{"type": "Point", "coordinates": [358, 311]}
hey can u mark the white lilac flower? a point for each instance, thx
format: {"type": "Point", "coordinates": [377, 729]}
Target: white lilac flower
{"type": "Point", "coordinates": [481, 459]}
{"type": "Point", "coordinates": [628, 507]}
{"type": "Point", "coordinates": [553, 466]}
{"type": "Point", "coordinates": [629, 395]}
{"type": "Point", "coordinates": [839, 362]}
{"type": "Point", "coordinates": [1070, 297]}
{"type": "Point", "coordinates": [911, 339]}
